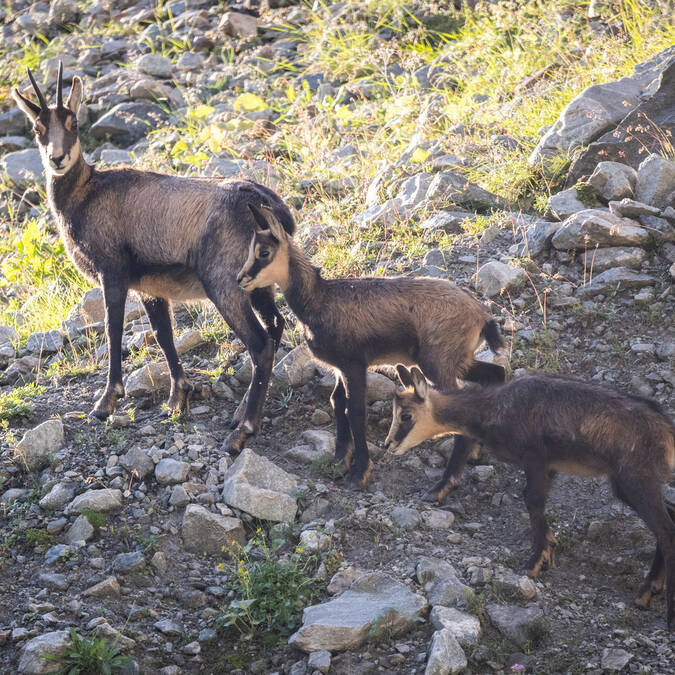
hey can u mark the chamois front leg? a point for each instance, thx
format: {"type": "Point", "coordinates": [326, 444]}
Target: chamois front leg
{"type": "Point", "coordinates": [536, 491]}
{"type": "Point", "coordinates": [453, 471]}
{"type": "Point", "coordinates": [115, 288]}
{"type": "Point", "coordinates": [344, 443]}
{"type": "Point", "coordinates": [361, 465]}
{"type": "Point", "coordinates": [160, 319]}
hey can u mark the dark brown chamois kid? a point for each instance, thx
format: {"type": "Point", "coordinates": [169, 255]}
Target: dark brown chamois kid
{"type": "Point", "coordinates": [548, 423]}
{"type": "Point", "coordinates": [167, 237]}
{"type": "Point", "coordinates": [352, 324]}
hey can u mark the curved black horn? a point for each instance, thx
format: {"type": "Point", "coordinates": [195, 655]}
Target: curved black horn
{"type": "Point", "coordinates": [59, 86]}
{"type": "Point", "coordinates": [41, 98]}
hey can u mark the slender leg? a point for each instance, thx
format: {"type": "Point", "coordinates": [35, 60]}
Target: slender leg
{"type": "Point", "coordinates": [536, 492]}
{"type": "Point", "coordinates": [235, 307]}
{"type": "Point", "coordinates": [115, 288]}
{"type": "Point", "coordinates": [262, 300]}
{"type": "Point", "coordinates": [355, 381]}
{"type": "Point", "coordinates": [485, 373]}
{"type": "Point", "coordinates": [646, 498]}
{"type": "Point", "coordinates": [453, 471]}
{"type": "Point", "coordinates": [344, 444]}
{"type": "Point", "coordinates": [160, 318]}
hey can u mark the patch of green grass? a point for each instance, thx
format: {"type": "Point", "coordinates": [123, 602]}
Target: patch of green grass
{"type": "Point", "coordinates": [89, 656]}
{"type": "Point", "coordinates": [39, 537]}
{"type": "Point", "coordinates": [95, 518]}
{"type": "Point", "coordinates": [15, 404]}
{"type": "Point", "coordinates": [269, 593]}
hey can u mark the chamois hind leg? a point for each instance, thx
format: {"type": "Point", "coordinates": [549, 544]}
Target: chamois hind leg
{"type": "Point", "coordinates": [235, 307]}
{"type": "Point", "coordinates": [536, 491]}
{"type": "Point", "coordinates": [344, 443]}
{"type": "Point", "coordinates": [355, 382]}
{"type": "Point", "coordinates": [262, 300]}
{"type": "Point", "coordinates": [115, 288]}
{"type": "Point", "coordinates": [646, 498]}
{"type": "Point", "coordinates": [485, 373]}
{"type": "Point", "coordinates": [160, 318]}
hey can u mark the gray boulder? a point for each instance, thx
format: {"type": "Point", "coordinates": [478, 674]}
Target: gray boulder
{"type": "Point", "coordinates": [598, 109]}
{"type": "Point", "coordinates": [137, 462]}
{"type": "Point", "coordinates": [521, 625]}
{"type": "Point", "coordinates": [536, 239]}
{"type": "Point", "coordinates": [13, 122]}
{"type": "Point", "coordinates": [440, 582]}
{"type": "Point", "coordinates": [564, 204]}
{"type": "Point", "coordinates": [238, 25]}
{"type": "Point", "coordinates": [33, 450]}
{"type": "Point", "coordinates": [613, 180]}
{"type": "Point", "coordinates": [57, 497]}
{"type": "Point", "coordinates": [445, 654]}
{"type": "Point", "coordinates": [617, 256]}
{"type": "Point", "coordinates": [48, 342]}
{"type": "Point", "coordinates": [615, 660]}
{"type": "Point", "coordinates": [378, 387]}
{"type": "Point", "coordinates": [465, 627]}
{"type": "Point", "coordinates": [614, 280]}
{"type": "Point", "coordinates": [104, 500]}
{"type": "Point", "coordinates": [127, 123]}
{"type": "Point", "coordinates": [257, 486]}
{"type": "Point", "coordinates": [23, 168]}
{"type": "Point", "coordinates": [296, 368]}
{"type": "Point", "coordinates": [447, 221]}
{"type": "Point", "coordinates": [452, 187]}
{"type": "Point", "coordinates": [170, 471]}
{"type": "Point", "coordinates": [63, 12]}
{"type": "Point", "coordinates": [656, 181]}
{"type": "Point", "coordinates": [31, 661]}
{"type": "Point", "coordinates": [373, 600]}
{"type": "Point", "coordinates": [206, 532]}
{"type": "Point", "coordinates": [495, 277]}
{"type": "Point", "coordinates": [153, 377]}
{"type": "Point", "coordinates": [629, 208]}
{"type": "Point", "coordinates": [80, 530]}
{"type": "Point", "coordinates": [155, 65]}
{"type": "Point", "coordinates": [586, 229]}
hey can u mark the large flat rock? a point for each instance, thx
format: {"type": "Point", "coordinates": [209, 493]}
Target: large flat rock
{"type": "Point", "coordinates": [346, 621]}
{"type": "Point", "coordinates": [598, 227]}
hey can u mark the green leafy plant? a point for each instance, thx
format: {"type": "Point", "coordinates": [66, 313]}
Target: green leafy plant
{"type": "Point", "coordinates": [270, 593]}
{"type": "Point", "coordinates": [89, 656]}
{"type": "Point", "coordinates": [15, 404]}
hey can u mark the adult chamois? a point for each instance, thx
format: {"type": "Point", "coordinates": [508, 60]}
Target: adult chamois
{"type": "Point", "coordinates": [167, 237]}
{"type": "Point", "coordinates": [352, 324]}
{"type": "Point", "coordinates": [549, 423]}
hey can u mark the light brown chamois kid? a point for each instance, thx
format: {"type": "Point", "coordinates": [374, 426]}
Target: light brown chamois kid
{"type": "Point", "coordinates": [352, 324]}
{"type": "Point", "coordinates": [549, 423]}
{"type": "Point", "coordinates": [167, 237]}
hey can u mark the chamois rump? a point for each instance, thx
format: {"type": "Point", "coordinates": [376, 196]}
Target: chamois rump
{"type": "Point", "coordinates": [550, 423]}
{"type": "Point", "coordinates": [167, 237]}
{"type": "Point", "coordinates": [352, 324]}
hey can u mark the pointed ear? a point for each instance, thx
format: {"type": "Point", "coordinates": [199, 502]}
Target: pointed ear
{"type": "Point", "coordinates": [419, 382]}
{"type": "Point", "coordinates": [404, 376]}
{"type": "Point", "coordinates": [29, 108]}
{"type": "Point", "coordinates": [259, 216]}
{"type": "Point", "coordinates": [75, 96]}
{"type": "Point", "coordinates": [276, 228]}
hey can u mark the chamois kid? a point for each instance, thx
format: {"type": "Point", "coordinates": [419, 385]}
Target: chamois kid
{"type": "Point", "coordinates": [352, 324]}
{"type": "Point", "coordinates": [548, 423]}
{"type": "Point", "coordinates": [167, 237]}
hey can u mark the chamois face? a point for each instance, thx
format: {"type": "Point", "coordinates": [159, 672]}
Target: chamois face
{"type": "Point", "coordinates": [413, 420]}
{"type": "Point", "coordinates": [267, 261]}
{"type": "Point", "coordinates": [55, 126]}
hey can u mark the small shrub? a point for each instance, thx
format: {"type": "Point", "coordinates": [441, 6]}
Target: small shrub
{"type": "Point", "coordinates": [15, 404]}
{"type": "Point", "coordinates": [40, 538]}
{"type": "Point", "coordinates": [89, 657]}
{"type": "Point", "coordinates": [95, 518]}
{"type": "Point", "coordinates": [270, 594]}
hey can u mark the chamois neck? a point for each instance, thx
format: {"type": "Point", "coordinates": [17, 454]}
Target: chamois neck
{"type": "Point", "coordinates": [66, 192]}
{"type": "Point", "coordinates": [304, 284]}
{"type": "Point", "coordinates": [464, 409]}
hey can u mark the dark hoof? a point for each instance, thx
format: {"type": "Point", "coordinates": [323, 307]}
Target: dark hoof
{"type": "Point", "coordinates": [236, 441]}
{"type": "Point", "coordinates": [100, 415]}
{"type": "Point", "coordinates": [358, 479]}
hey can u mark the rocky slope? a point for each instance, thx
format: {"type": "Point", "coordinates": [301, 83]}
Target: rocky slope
{"type": "Point", "coordinates": [550, 190]}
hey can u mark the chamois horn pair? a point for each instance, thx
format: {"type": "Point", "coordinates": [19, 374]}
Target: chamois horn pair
{"type": "Point", "coordinates": [43, 104]}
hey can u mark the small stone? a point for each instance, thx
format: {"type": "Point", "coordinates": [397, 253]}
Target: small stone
{"type": "Point", "coordinates": [137, 462]}
{"type": "Point", "coordinates": [615, 659]}
{"type": "Point", "coordinates": [655, 181]}
{"type": "Point", "coordinates": [238, 25]}
{"type": "Point", "coordinates": [155, 65]}
{"type": "Point", "coordinates": [169, 627]}
{"type": "Point", "coordinates": [80, 530]}
{"type": "Point", "coordinates": [440, 582]}
{"type": "Point", "coordinates": [125, 563]}
{"type": "Point", "coordinates": [57, 497]}
{"type": "Point", "coordinates": [613, 180]}
{"type": "Point", "coordinates": [320, 417]}
{"type": "Point", "coordinates": [33, 450]}
{"type": "Point", "coordinates": [56, 582]}
{"type": "Point", "coordinates": [312, 540]}
{"type": "Point", "coordinates": [179, 496]}
{"type": "Point", "coordinates": [518, 624]}
{"type": "Point", "coordinates": [614, 280]}
{"type": "Point", "coordinates": [296, 368]}
{"type": "Point", "coordinates": [465, 627]}
{"type": "Point", "coordinates": [378, 387]}
{"type": "Point", "coordinates": [210, 533]}
{"type": "Point", "coordinates": [405, 518]}
{"type": "Point", "coordinates": [319, 661]}
{"type": "Point", "coordinates": [104, 500]}
{"type": "Point", "coordinates": [445, 654]}
{"type": "Point", "coordinates": [170, 471]}
{"type": "Point", "coordinates": [159, 563]}
{"type": "Point", "coordinates": [495, 277]}
{"type": "Point", "coordinates": [152, 377]}
{"type": "Point", "coordinates": [108, 588]}
{"type": "Point", "coordinates": [48, 342]}
{"type": "Point", "coordinates": [190, 339]}
{"type": "Point", "coordinates": [32, 662]}
{"type": "Point", "coordinates": [565, 203]}
{"type": "Point", "coordinates": [437, 519]}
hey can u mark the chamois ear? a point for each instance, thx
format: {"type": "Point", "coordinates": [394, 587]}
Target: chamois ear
{"type": "Point", "coordinates": [419, 383]}
{"type": "Point", "coordinates": [404, 376]}
{"type": "Point", "coordinates": [27, 106]}
{"type": "Point", "coordinates": [259, 216]}
{"type": "Point", "coordinates": [276, 228]}
{"type": "Point", "coordinates": [75, 96]}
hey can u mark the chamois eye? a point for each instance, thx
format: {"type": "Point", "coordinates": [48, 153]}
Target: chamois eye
{"type": "Point", "coordinates": [264, 253]}
{"type": "Point", "coordinates": [406, 417]}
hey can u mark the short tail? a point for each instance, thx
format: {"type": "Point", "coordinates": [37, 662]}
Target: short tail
{"type": "Point", "coordinates": [493, 337]}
